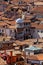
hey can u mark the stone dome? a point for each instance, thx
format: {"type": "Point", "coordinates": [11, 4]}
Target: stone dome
{"type": "Point", "coordinates": [19, 20]}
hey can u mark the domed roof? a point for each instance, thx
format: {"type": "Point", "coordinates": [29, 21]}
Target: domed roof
{"type": "Point", "coordinates": [19, 20]}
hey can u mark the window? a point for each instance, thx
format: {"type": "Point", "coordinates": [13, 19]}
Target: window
{"type": "Point", "coordinates": [26, 23]}
{"type": "Point", "coordinates": [8, 44]}
{"type": "Point", "coordinates": [38, 31]}
{"type": "Point", "coordinates": [10, 30]}
{"type": "Point", "coordinates": [20, 2]}
{"type": "Point", "coordinates": [20, 24]}
{"type": "Point", "coordinates": [27, 37]}
{"type": "Point", "coordinates": [12, 9]}
{"type": "Point", "coordinates": [26, 30]}
{"type": "Point", "coordinates": [41, 31]}
{"type": "Point", "coordinates": [20, 33]}
{"type": "Point", "coordinates": [2, 30]}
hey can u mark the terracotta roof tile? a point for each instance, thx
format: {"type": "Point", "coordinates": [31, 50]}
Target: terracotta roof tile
{"type": "Point", "coordinates": [36, 57]}
{"type": "Point", "coordinates": [37, 26]}
{"type": "Point", "coordinates": [38, 9]}
{"type": "Point", "coordinates": [11, 22]}
{"type": "Point", "coordinates": [3, 23]}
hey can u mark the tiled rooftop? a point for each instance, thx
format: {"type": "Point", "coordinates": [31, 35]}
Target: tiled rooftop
{"type": "Point", "coordinates": [36, 57]}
